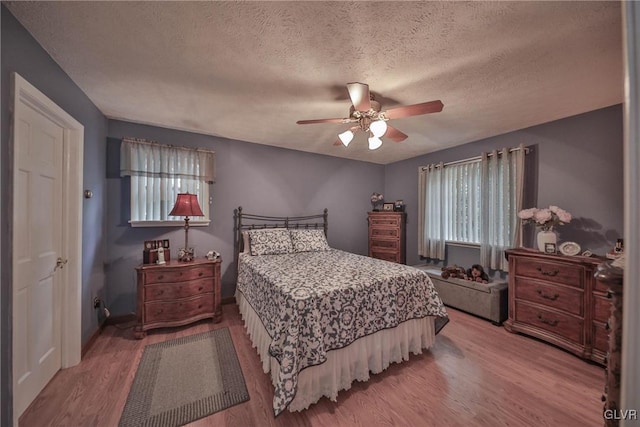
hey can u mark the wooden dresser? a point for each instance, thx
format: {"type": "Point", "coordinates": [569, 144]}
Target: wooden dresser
{"type": "Point", "coordinates": [557, 299]}
{"type": "Point", "coordinates": [177, 293]}
{"type": "Point", "coordinates": [387, 236]}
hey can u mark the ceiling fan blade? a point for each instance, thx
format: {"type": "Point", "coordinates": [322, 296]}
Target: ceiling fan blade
{"type": "Point", "coordinates": [359, 94]}
{"type": "Point", "coordinates": [309, 122]}
{"type": "Point", "coordinates": [414, 110]}
{"type": "Point", "coordinates": [394, 134]}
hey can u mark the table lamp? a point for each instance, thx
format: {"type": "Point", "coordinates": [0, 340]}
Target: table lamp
{"type": "Point", "coordinates": [186, 205]}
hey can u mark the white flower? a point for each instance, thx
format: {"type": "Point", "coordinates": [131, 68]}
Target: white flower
{"type": "Point", "coordinates": [527, 213]}
{"type": "Point", "coordinates": [545, 218]}
{"type": "Point", "coordinates": [542, 216]}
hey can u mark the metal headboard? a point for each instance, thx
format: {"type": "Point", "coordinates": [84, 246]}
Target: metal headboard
{"type": "Point", "coordinates": [245, 221]}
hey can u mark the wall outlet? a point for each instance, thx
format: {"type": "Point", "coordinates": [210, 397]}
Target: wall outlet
{"type": "Point", "coordinates": [96, 302]}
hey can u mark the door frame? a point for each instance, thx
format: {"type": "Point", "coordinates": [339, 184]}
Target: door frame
{"type": "Point", "coordinates": [72, 176]}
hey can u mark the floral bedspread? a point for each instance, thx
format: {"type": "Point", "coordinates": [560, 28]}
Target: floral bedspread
{"type": "Point", "coordinates": [313, 302]}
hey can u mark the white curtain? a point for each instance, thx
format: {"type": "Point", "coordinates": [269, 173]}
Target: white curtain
{"type": "Point", "coordinates": [159, 172]}
{"type": "Point", "coordinates": [461, 199]}
{"type": "Point", "coordinates": [502, 187]}
{"type": "Point", "coordinates": [431, 239]}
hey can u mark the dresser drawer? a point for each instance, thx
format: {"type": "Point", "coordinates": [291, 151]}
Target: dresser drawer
{"type": "Point", "coordinates": [601, 308]}
{"type": "Point", "coordinates": [385, 232]}
{"type": "Point", "coordinates": [178, 289]}
{"type": "Point", "coordinates": [565, 274]}
{"type": "Point", "coordinates": [387, 256]}
{"type": "Point", "coordinates": [555, 322]}
{"type": "Point", "coordinates": [178, 275]}
{"type": "Point", "coordinates": [384, 220]}
{"type": "Point", "coordinates": [384, 244]}
{"type": "Point", "coordinates": [562, 298]}
{"type": "Point", "coordinates": [600, 337]}
{"type": "Point", "coordinates": [162, 311]}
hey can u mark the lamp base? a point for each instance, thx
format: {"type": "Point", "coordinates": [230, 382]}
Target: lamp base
{"type": "Point", "coordinates": [186, 255]}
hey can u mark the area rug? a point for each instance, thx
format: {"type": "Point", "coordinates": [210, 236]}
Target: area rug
{"type": "Point", "coordinates": [181, 380]}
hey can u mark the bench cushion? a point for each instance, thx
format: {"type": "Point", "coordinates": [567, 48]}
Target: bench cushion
{"type": "Point", "coordinates": [487, 300]}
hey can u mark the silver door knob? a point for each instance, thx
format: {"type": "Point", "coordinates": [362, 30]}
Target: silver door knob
{"type": "Point", "coordinates": [60, 263]}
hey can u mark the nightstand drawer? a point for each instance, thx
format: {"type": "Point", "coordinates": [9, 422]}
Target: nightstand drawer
{"type": "Point", "coordinates": [162, 311]}
{"type": "Point", "coordinates": [178, 289]}
{"type": "Point", "coordinates": [562, 298]}
{"type": "Point", "coordinates": [178, 275]}
{"type": "Point", "coordinates": [565, 274]}
{"type": "Point", "coordinates": [555, 322]}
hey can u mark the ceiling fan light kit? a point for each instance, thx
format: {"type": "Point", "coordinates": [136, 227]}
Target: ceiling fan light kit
{"type": "Point", "coordinates": [378, 128]}
{"type": "Point", "coordinates": [346, 137]}
{"type": "Point", "coordinates": [374, 143]}
{"type": "Point", "coordinates": [366, 113]}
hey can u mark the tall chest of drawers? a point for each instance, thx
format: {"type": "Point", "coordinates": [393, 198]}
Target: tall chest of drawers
{"type": "Point", "coordinates": [177, 293]}
{"type": "Point", "coordinates": [387, 236]}
{"type": "Point", "coordinates": [557, 299]}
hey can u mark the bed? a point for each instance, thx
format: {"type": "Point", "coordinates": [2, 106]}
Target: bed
{"type": "Point", "coordinates": [321, 318]}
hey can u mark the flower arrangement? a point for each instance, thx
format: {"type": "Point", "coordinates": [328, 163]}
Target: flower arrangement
{"type": "Point", "coordinates": [545, 218]}
{"type": "Point", "coordinates": [376, 200]}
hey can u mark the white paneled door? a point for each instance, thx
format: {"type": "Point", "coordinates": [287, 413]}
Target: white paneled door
{"type": "Point", "coordinates": [47, 157]}
{"type": "Point", "coordinates": [37, 214]}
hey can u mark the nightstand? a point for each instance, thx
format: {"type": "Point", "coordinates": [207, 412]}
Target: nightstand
{"type": "Point", "coordinates": [177, 293]}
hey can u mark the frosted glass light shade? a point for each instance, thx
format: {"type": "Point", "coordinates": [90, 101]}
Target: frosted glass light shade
{"type": "Point", "coordinates": [378, 128]}
{"type": "Point", "coordinates": [346, 137]}
{"type": "Point", "coordinates": [374, 142]}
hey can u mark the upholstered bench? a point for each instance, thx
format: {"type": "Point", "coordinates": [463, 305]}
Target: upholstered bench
{"type": "Point", "coordinates": [487, 300]}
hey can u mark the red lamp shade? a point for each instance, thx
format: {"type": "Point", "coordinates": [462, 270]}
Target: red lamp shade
{"type": "Point", "coordinates": [186, 205]}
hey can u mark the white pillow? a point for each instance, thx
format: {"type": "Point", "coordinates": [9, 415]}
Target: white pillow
{"type": "Point", "coordinates": [309, 240]}
{"type": "Point", "coordinates": [270, 241]}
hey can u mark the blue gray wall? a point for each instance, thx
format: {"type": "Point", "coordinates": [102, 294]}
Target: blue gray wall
{"type": "Point", "coordinates": [576, 164]}
{"type": "Point", "coordinates": [22, 54]}
{"type": "Point", "coordinates": [262, 179]}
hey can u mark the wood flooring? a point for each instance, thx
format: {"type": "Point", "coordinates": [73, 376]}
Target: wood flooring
{"type": "Point", "coordinates": [476, 374]}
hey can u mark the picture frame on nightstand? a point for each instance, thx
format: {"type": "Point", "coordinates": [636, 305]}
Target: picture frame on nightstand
{"type": "Point", "coordinates": [550, 248]}
{"type": "Point", "coordinates": [387, 207]}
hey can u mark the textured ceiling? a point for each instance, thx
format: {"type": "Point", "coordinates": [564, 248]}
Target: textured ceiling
{"type": "Point", "coordinates": [250, 70]}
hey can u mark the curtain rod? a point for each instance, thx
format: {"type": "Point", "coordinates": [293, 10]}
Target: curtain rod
{"type": "Point", "coordinates": [477, 158]}
{"type": "Point", "coordinates": [179, 147]}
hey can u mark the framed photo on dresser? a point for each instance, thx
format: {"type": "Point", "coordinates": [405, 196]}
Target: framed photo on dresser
{"type": "Point", "coordinates": [388, 207]}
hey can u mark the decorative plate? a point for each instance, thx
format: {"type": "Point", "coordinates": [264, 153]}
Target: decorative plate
{"type": "Point", "coordinates": [569, 248]}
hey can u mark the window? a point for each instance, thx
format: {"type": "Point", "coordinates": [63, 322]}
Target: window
{"type": "Point", "coordinates": [158, 173]}
{"type": "Point", "coordinates": [475, 201]}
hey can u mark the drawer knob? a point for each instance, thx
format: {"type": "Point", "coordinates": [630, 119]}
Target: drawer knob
{"type": "Point", "coordinates": [547, 321]}
{"type": "Point", "coordinates": [160, 311]}
{"type": "Point", "coordinates": [200, 306]}
{"type": "Point", "coordinates": [160, 277]}
{"type": "Point", "coordinates": [200, 274]}
{"type": "Point", "coordinates": [546, 296]}
{"type": "Point", "coordinates": [200, 288]}
{"type": "Point", "coordinates": [548, 273]}
{"type": "Point", "coordinates": [160, 292]}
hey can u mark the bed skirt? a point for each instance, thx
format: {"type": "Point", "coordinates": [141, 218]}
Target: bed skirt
{"type": "Point", "coordinates": [373, 353]}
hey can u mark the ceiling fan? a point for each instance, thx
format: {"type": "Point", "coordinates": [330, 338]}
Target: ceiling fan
{"type": "Point", "coordinates": [367, 115]}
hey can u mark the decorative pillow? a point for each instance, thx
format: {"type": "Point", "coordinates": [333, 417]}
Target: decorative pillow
{"type": "Point", "coordinates": [309, 240]}
{"type": "Point", "coordinates": [245, 242]}
{"type": "Point", "coordinates": [270, 241]}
